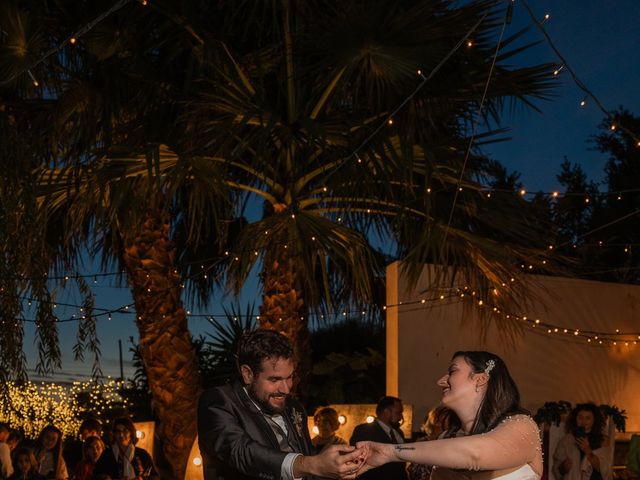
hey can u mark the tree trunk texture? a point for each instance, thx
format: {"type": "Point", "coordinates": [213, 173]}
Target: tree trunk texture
{"type": "Point", "coordinates": [165, 343]}
{"type": "Point", "coordinates": [283, 309]}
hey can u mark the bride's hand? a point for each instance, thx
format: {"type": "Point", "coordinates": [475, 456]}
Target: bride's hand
{"type": "Point", "coordinates": [375, 454]}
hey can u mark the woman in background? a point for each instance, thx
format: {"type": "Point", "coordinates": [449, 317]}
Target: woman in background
{"type": "Point", "coordinates": [326, 419]}
{"type": "Point", "coordinates": [92, 449]}
{"type": "Point", "coordinates": [583, 454]}
{"type": "Point", "coordinates": [122, 460]}
{"type": "Point", "coordinates": [25, 465]}
{"type": "Point", "coordinates": [49, 454]}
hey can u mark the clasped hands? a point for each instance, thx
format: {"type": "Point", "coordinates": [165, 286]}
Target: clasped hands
{"type": "Point", "coordinates": [347, 462]}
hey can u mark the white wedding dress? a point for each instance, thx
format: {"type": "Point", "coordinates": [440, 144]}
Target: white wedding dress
{"type": "Point", "coordinates": [525, 472]}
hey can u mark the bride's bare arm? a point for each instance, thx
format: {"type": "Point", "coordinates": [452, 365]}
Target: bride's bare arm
{"type": "Point", "coordinates": [511, 444]}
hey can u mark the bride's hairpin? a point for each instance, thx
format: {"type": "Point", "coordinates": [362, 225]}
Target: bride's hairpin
{"type": "Point", "coordinates": [490, 364]}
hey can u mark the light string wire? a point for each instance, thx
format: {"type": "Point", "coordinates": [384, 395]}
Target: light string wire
{"type": "Point", "coordinates": [425, 79]}
{"type": "Point", "coordinates": [463, 294]}
{"type": "Point", "coordinates": [55, 49]}
{"type": "Point", "coordinates": [575, 78]}
{"type": "Point", "coordinates": [548, 252]}
{"type": "Point", "coordinates": [474, 127]}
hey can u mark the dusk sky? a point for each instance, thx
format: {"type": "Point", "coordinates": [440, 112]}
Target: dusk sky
{"type": "Point", "coordinates": [600, 39]}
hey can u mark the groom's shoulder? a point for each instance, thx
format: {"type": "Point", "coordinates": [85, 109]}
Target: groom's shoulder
{"type": "Point", "coordinates": [218, 394]}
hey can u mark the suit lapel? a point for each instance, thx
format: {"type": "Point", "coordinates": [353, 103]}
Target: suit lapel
{"type": "Point", "coordinates": [256, 416]}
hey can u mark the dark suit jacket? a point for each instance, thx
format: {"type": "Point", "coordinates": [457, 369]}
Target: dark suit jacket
{"type": "Point", "coordinates": [236, 442]}
{"type": "Point", "coordinates": [374, 432]}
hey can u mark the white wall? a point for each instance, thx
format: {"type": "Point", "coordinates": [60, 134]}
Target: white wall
{"type": "Point", "coordinates": [421, 339]}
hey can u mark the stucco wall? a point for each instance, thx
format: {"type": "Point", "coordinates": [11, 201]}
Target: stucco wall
{"type": "Point", "coordinates": [547, 367]}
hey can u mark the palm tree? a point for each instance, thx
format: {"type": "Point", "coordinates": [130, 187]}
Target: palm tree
{"type": "Point", "coordinates": [97, 204]}
{"type": "Point", "coordinates": [279, 102]}
{"type": "Point", "coordinates": [295, 118]}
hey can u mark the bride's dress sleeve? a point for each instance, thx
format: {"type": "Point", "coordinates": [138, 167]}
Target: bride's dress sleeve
{"type": "Point", "coordinates": [513, 443]}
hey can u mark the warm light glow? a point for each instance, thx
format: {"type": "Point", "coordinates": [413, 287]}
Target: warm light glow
{"type": "Point", "coordinates": [342, 419]}
{"type": "Point", "coordinates": [390, 121]}
{"type": "Point", "coordinates": [139, 434]}
{"type": "Point", "coordinates": [315, 430]}
{"type": "Point", "coordinates": [73, 40]}
{"type": "Point", "coordinates": [523, 192]}
{"type": "Point", "coordinates": [469, 43]}
{"type": "Point", "coordinates": [555, 194]}
{"type": "Point", "coordinates": [33, 406]}
{"type": "Point", "coordinates": [197, 461]}
{"type": "Point", "coordinates": [370, 418]}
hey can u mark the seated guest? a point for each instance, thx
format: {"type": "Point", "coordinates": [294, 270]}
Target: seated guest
{"type": "Point", "coordinates": [326, 419]}
{"type": "Point", "coordinates": [14, 439]}
{"type": "Point", "coordinates": [73, 449]}
{"type": "Point", "coordinates": [93, 448]}
{"type": "Point", "coordinates": [122, 460]}
{"type": "Point", "coordinates": [51, 464]}
{"type": "Point", "coordinates": [6, 467]}
{"type": "Point", "coordinates": [25, 465]}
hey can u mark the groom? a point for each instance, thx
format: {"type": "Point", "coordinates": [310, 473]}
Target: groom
{"type": "Point", "coordinates": [254, 429]}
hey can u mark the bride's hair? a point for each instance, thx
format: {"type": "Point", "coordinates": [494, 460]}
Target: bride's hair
{"type": "Point", "coordinates": [502, 397]}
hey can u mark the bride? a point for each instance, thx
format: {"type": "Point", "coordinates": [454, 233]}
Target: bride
{"type": "Point", "coordinates": [490, 435]}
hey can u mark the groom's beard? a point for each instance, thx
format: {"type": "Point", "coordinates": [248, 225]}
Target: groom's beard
{"type": "Point", "coordinates": [263, 402]}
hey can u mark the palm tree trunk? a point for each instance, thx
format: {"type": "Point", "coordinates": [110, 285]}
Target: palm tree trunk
{"type": "Point", "coordinates": [165, 343]}
{"type": "Point", "coordinates": [283, 309]}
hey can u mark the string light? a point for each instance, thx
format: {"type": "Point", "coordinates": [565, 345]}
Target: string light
{"type": "Point", "coordinates": [33, 406]}
{"type": "Point", "coordinates": [575, 78]}
{"type": "Point", "coordinates": [588, 335]}
{"type": "Point", "coordinates": [57, 48]}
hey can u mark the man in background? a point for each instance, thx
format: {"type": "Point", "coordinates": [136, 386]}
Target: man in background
{"type": "Point", "coordinates": [384, 429]}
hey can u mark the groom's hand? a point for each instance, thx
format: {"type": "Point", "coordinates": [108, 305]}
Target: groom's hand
{"type": "Point", "coordinates": [335, 461]}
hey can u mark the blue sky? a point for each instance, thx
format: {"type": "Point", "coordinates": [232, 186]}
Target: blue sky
{"type": "Point", "coordinates": [600, 40]}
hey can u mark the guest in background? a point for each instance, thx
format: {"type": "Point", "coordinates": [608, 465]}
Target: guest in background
{"type": "Point", "coordinates": [92, 450]}
{"type": "Point", "coordinates": [49, 454]}
{"type": "Point", "coordinates": [326, 419]}
{"type": "Point", "coordinates": [6, 467]}
{"type": "Point", "coordinates": [74, 448]}
{"type": "Point", "coordinates": [122, 460]}
{"type": "Point", "coordinates": [384, 429]}
{"type": "Point", "coordinates": [15, 438]}
{"type": "Point", "coordinates": [435, 424]}
{"type": "Point", "coordinates": [582, 454]}
{"type": "Point", "coordinates": [25, 465]}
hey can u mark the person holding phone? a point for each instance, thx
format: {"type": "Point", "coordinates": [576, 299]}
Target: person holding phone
{"type": "Point", "coordinates": [582, 454]}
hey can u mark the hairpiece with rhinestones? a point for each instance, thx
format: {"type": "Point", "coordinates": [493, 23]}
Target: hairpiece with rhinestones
{"type": "Point", "coordinates": [490, 364]}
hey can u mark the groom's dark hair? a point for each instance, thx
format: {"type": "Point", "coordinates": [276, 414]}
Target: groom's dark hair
{"type": "Point", "coordinates": [258, 345]}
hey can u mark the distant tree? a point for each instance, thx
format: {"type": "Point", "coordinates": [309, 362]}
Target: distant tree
{"type": "Point", "coordinates": [618, 257]}
{"type": "Point", "coordinates": [348, 363]}
{"type": "Point", "coordinates": [573, 211]}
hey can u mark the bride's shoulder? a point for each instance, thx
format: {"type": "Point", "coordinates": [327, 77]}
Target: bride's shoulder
{"type": "Point", "coordinates": [520, 420]}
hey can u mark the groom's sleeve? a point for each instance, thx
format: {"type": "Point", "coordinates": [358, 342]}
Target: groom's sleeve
{"type": "Point", "coordinates": [223, 439]}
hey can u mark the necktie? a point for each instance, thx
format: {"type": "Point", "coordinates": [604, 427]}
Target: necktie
{"type": "Point", "coordinates": [395, 436]}
{"type": "Point", "coordinates": [280, 434]}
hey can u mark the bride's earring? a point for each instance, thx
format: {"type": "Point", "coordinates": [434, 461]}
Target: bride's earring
{"type": "Point", "coordinates": [477, 388]}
